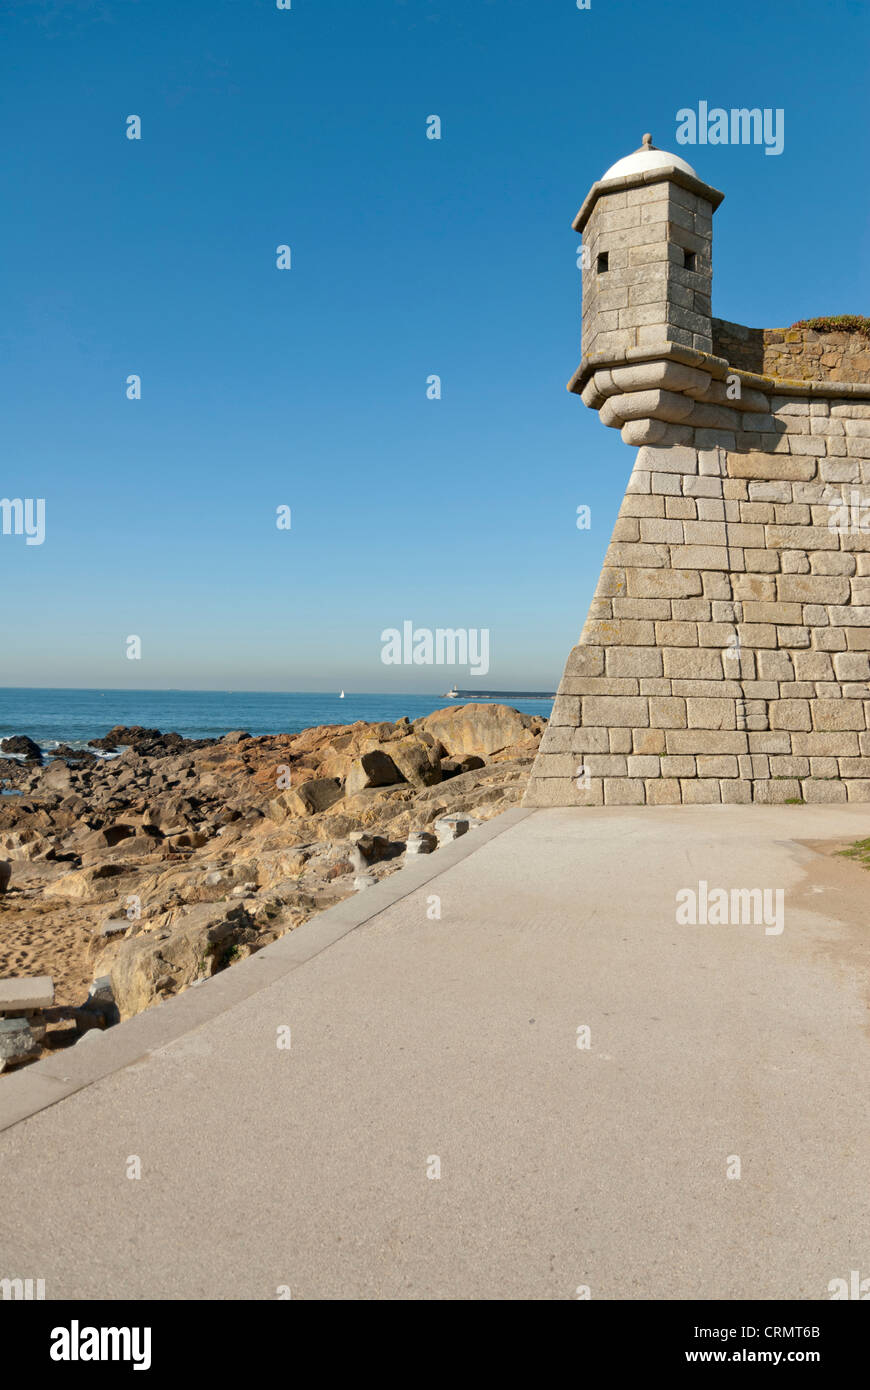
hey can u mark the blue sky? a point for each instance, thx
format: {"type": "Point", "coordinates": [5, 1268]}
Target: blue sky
{"type": "Point", "coordinates": [411, 257]}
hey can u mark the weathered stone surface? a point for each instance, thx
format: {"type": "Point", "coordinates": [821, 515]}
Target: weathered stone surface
{"type": "Point", "coordinates": [313, 796]}
{"type": "Point", "coordinates": [17, 1043]}
{"type": "Point", "coordinates": [484, 729]}
{"type": "Point", "coordinates": [421, 842]}
{"type": "Point", "coordinates": [146, 968]}
{"type": "Point", "coordinates": [417, 762]}
{"type": "Point", "coordinates": [449, 828]}
{"type": "Point", "coordinates": [92, 884]}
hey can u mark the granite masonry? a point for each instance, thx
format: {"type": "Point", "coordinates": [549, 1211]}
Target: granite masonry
{"type": "Point", "coordinates": [726, 654]}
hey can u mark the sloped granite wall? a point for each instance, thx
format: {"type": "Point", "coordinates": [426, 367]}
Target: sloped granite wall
{"type": "Point", "coordinates": [726, 654]}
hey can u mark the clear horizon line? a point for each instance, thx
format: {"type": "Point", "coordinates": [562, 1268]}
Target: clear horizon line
{"type": "Point", "coordinates": [222, 690]}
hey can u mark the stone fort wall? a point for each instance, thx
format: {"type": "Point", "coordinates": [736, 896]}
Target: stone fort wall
{"type": "Point", "coordinates": [726, 654]}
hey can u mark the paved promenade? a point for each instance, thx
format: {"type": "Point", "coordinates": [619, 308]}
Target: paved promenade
{"type": "Point", "coordinates": [417, 1038]}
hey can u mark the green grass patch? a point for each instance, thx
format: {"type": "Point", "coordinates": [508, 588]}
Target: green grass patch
{"type": "Point", "coordinates": [860, 851]}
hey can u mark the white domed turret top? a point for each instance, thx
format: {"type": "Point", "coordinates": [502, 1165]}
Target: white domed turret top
{"type": "Point", "coordinates": [638, 170]}
{"type": "Point", "coordinates": [644, 159]}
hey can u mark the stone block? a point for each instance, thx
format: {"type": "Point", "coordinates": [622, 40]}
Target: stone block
{"type": "Point", "coordinates": [801, 538]}
{"type": "Point", "coordinates": [566, 710]}
{"type": "Point", "coordinates": [559, 764]}
{"type": "Point", "coordinates": [449, 828]}
{"type": "Point", "coordinates": [790, 714]}
{"type": "Point", "coordinates": [701, 557]}
{"type": "Point", "coordinates": [777, 792]}
{"type": "Point", "coordinates": [706, 533]}
{"type": "Point", "coordinates": [812, 666]}
{"type": "Point", "coordinates": [782, 765]}
{"type": "Point", "coordinates": [605, 764]}
{"type": "Point", "coordinates": [667, 712]}
{"type": "Point", "coordinates": [700, 791]}
{"type": "Point", "coordinates": [558, 791]}
{"type": "Point", "coordinates": [676, 634]}
{"type": "Point", "coordinates": [599, 685]}
{"type": "Point", "coordinates": [22, 992]}
{"type": "Point", "coordinates": [709, 713]}
{"type": "Point", "coordinates": [622, 632]}
{"type": "Point", "coordinates": [634, 661]}
{"type": "Point", "coordinates": [824, 792]}
{"type": "Point", "coordinates": [708, 741]}
{"type": "Point", "coordinates": [667, 459]}
{"type": "Point", "coordinates": [588, 740]}
{"type": "Point", "coordinates": [421, 842]}
{"type": "Point", "coordinates": [624, 711]}
{"type": "Point", "coordinates": [114, 926]}
{"type": "Point", "coordinates": [663, 792]}
{"type": "Point", "coordinates": [851, 666]}
{"type": "Point", "coordinates": [735, 792]}
{"type": "Point", "coordinates": [702, 487]}
{"type": "Point", "coordinates": [717, 765]}
{"type": "Point", "coordinates": [830, 715]}
{"type": "Point", "coordinates": [842, 744]}
{"type": "Point", "coordinates": [678, 766]}
{"type": "Point", "coordinates": [623, 791]}
{"type": "Point", "coordinates": [648, 741]}
{"type": "Point", "coordinates": [812, 588]}
{"type": "Point", "coordinates": [663, 583]}
{"type": "Point", "coordinates": [654, 608]}
{"type": "Point", "coordinates": [657, 529]}
{"type": "Point", "coordinates": [17, 1043]}
{"type": "Point", "coordinates": [644, 765]}
{"type": "Point", "coordinates": [693, 663]}
{"type": "Point", "coordinates": [770, 468]}
{"type": "Point", "coordinates": [585, 661]}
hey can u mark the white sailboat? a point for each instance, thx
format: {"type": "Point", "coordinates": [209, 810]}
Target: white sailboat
{"type": "Point", "coordinates": [341, 695]}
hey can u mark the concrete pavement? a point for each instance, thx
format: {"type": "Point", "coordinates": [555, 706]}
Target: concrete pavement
{"type": "Point", "coordinates": [418, 1037]}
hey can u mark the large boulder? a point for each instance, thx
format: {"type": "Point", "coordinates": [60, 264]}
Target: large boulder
{"type": "Point", "coordinates": [56, 777]}
{"type": "Point", "coordinates": [367, 809]}
{"type": "Point", "coordinates": [372, 769]}
{"type": "Point", "coordinates": [22, 844]}
{"type": "Point", "coordinates": [146, 968]}
{"type": "Point", "coordinates": [21, 744]}
{"type": "Point", "coordinates": [308, 799]}
{"type": "Point", "coordinates": [482, 729]}
{"type": "Point", "coordinates": [416, 761]}
{"type": "Point", "coordinates": [451, 767]}
{"type": "Point", "coordinates": [277, 866]}
{"type": "Point", "coordinates": [87, 885]}
{"type": "Point", "coordinates": [106, 838]}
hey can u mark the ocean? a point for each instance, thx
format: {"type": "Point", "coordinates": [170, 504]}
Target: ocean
{"type": "Point", "coordinates": [51, 717]}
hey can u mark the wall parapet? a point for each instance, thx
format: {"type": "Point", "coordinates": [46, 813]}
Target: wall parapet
{"type": "Point", "coordinates": [830, 355]}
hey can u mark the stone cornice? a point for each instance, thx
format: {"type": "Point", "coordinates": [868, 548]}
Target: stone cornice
{"type": "Point", "coordinates": [642, 180]}
{"type": "Point", "coordinates": [715, 367]}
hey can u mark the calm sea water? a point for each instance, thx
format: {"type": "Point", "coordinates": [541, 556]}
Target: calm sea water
{"type": "Point", "coordinates": [75, 716]}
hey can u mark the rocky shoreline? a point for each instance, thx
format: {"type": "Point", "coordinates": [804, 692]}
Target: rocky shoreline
{"type": "Point", "coordinates": [163, 865]}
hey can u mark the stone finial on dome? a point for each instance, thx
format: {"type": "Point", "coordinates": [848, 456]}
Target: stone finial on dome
{"type": "Point", "coordinates": [647, 144]}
